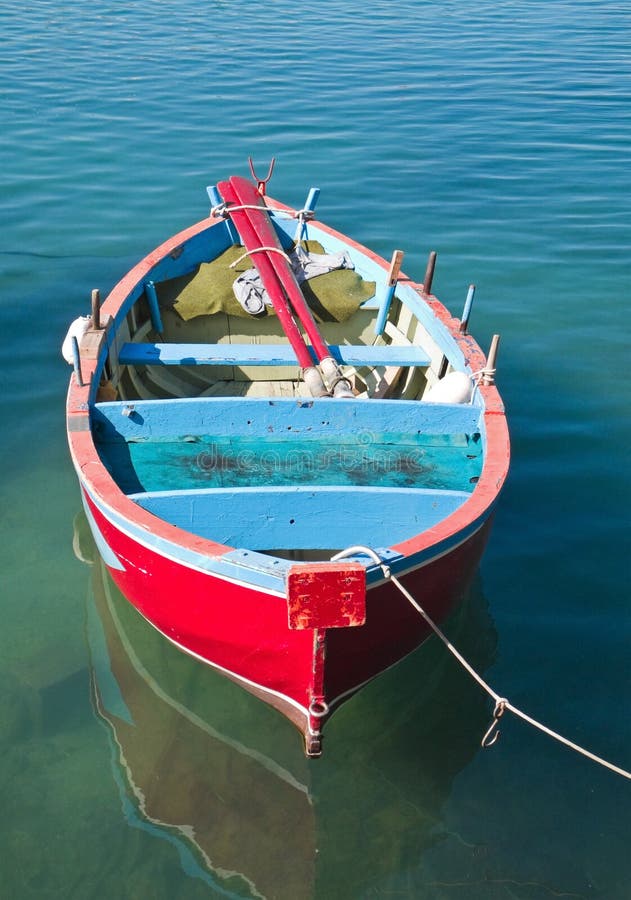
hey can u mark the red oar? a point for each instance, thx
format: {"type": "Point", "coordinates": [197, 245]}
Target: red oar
{"type": "Point", "coordinates": [272, 285]}
{"type": "Point", "coordinates": [249, 198]}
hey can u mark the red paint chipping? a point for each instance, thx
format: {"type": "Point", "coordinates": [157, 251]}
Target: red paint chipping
{"type": "Point", "coordinates": [326, 595]}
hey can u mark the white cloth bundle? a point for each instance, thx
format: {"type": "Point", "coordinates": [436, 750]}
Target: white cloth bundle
{"type": "Point", "coordinates": [252, 296]}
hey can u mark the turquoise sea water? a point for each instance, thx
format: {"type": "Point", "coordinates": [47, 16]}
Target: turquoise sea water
{"type": "Point", "coordinates": [497, 134]}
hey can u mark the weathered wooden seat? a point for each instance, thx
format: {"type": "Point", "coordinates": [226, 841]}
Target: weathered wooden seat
{"type": "Point", "coordinates": [260, 518]}
{"type": "Point", "coordinates": [167, 354]}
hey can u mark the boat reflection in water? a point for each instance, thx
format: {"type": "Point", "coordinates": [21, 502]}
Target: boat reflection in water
{"type": "Point", "coordinates": [203, 764]}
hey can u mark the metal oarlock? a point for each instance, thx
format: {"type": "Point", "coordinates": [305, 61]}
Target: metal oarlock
{"type": "Point", "coordinates": [261, 183]}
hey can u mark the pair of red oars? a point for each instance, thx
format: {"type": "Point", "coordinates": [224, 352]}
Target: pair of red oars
{"type": "Point", "coordinates": [252, 221]}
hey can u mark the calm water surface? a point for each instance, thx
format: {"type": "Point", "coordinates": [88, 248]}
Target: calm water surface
{"type": "Point", "coordinates": [497, 134]}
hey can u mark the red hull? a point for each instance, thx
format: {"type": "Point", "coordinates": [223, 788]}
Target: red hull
{"type": "Point", "coordinates": [244, 632]}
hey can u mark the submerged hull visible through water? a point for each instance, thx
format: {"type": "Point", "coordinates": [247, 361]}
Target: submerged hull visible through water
{"type": "Point", "coordinates": [197, 558]}
{"type": "Point", "coordinates": [199, 759]}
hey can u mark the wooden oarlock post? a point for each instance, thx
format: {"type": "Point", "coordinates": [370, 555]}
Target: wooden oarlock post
{"type": "Point", "coordinates": [429, 273]}
{"type": "Point", "coordinates": [488, 373]}
{"type": "Point", "coordinates": [96, 309]}
{"type": "Point", "coordinates": [76, 362]}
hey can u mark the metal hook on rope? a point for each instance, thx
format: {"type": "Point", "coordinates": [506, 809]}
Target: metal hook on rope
{"type": "Point", "coordinates": [501, 703]}
{"type": "Point", "coordinates": [488, 740]}
{"type": "Point", "coordinates": [261, 183]}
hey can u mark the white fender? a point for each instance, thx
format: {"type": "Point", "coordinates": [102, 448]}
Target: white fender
{"type": "Point", "coordinates": [456, 387]}
{"type": "Point", "coordinates": [77, 329]}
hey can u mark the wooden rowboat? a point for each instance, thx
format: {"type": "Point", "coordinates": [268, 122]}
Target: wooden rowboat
{"type": "Point", "coordinates": [227, 451]}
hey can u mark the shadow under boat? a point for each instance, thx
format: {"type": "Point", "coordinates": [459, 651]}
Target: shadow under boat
{"type": "Point", "coordinates": [205, 765]}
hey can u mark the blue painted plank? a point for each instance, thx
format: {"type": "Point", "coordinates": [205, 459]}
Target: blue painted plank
{"type": "Point", "coordinates": [303, 518]}
{"type": "Point", "coordinates": [148, 354]}
{"type": "Point", "coordinates": [164, 419]}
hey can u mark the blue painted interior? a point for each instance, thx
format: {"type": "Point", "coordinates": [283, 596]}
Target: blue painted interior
{"type": "Point", "coordinates": [210, 443]}
{"type": "Point", "coordinates": [383, 460]}
{"type": "Point", "coordinates": [167, 419]}
{"type": "Point", "coordinates": [202, 247]}
{"type": "Point", "coordinates": [302, 518]}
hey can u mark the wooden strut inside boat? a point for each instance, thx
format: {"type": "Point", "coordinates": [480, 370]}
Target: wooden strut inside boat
{"type": "Point", "coordinates": [220, 470]}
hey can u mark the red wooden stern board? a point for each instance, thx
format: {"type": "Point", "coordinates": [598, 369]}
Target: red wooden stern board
{"type": "Point", "coordinates": [326, 595]}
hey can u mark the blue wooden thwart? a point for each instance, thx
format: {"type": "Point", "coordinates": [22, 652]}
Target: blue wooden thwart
{"type": "Point", "coordinates": [157, 419]}
{"type": "Point", "coordinates": [302, 517]}
{"type": "Point", "coordinates": [148, 354]}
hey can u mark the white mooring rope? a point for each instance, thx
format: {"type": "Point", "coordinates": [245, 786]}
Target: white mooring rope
{"type": "Point", "coordinates": [224, 210]}
{"type": "Point", "coordinates": [260, 250]}
{"type": "Point", "coordinates": [501, 703]}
